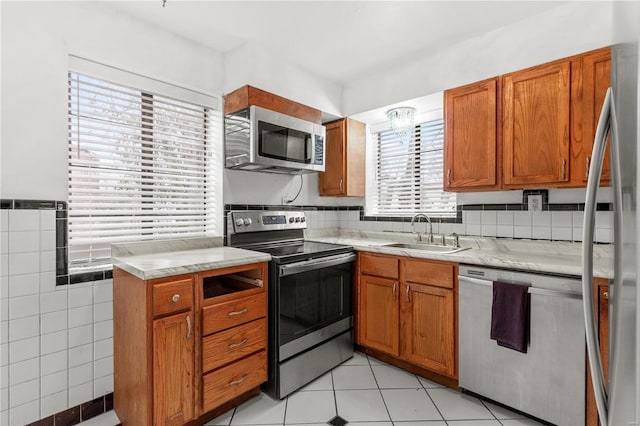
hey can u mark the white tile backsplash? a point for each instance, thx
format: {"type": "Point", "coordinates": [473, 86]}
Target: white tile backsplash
{"type": "Point", "coordinates": [561, 219]}
{"type": "Point", "coordinates": [54, 321]}
{"type": "Point", "coordinates": [24, 306]}
{"type": "Point", "coordinates": [81, 374]}
{"type": "Point", "coordinates": [25, 414]}
{"type": "Point", "coordinates": [24, 371]}
{"type": "Point", "coordinates": [541, 219]}
{"type": "Point", "coordinates": [80, 355]}
{"type": "Point", "coordinates": [53, 383]}
{"type": "Point", "coordinates": [55, 362]}
{"type": "Point", "coordinates": [52, 404]}
{"type": "Point", "coordinates": [80, 295]}
{"type": "Point", "coordinates": [47, 220]}
{"type": "Point", "coordinates": [22, 350]}
{"type": "Point", "coordinates": [24, 220]}
{"type": "Point", "coordinates": [24, 241]}
{"type": "Point", "coordinates": [23, 285]}
{"type": "Point", "coordinates": [24, 263]}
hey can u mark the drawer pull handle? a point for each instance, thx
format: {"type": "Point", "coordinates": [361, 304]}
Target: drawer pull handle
{"type": "Point", "coordinates": [395, 291]}
{"type": "Point", "coordinates": [234, 313]}
{"type": "Point", "coordinates": [564, 169]}
{"type": "Point", "coordinates": [238, 381]}
{"type": "Point", "coordinates": [407, 293]}
{"type": "Point", "coordinates": [449, 177]}
{"type": "Point", "coordinates": [237, 345]}
{"type": "Point", "coordinates": [188, 327]}
{"type": "Point", "coordinates": [175, 297]}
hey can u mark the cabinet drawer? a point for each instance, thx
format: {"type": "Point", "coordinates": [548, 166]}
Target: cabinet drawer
{"type": "Point", "coordinates": [232, 344]}
{"type": "Point", "coordinates": [224, 384]}
{"type": "Point", "coordinates": [234, 312]}
{"type": "Point", "coordinates": [172, 296]}
{"type": "Point", "coordinates": [379, 266]}
{"type": "Point", "coordinates": [431, 273]}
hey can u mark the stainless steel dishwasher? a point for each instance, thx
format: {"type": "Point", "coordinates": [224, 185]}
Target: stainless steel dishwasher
{"type": "Point", "coordinates": [547, 382]}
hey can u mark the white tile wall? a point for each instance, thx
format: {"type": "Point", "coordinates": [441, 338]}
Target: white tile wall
{"type": "Point", "coordinates": [56, 348]}
{"type": "Point", "coordinates": [546, 225]}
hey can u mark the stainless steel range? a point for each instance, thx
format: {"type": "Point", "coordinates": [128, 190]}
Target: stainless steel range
{"type": "Point", "coordinates": [310, 297]}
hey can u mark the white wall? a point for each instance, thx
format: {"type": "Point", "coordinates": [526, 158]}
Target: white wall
{"type": "Point", "coordinates": [250, 64]}
{"type": "Point", "coordinates": [243, 187]}
{"type": "Point", "coordinates": [36, 40]}
{"type": "Point", "coordinates": [563, 31]}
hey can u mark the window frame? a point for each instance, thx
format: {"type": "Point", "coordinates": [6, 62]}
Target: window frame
{"type": "Point", "coordinates": [372, 186]}
{"type": "Point", "coordinates": [212, 138]}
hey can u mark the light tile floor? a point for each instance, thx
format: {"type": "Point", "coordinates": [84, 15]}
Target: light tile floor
{"type": "Point", "coordinates": [367, 392]}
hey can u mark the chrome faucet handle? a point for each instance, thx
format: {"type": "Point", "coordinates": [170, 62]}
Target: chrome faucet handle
{"type": "Point", "coordinates": [443, 241]}
{"type": "Point", "coordinates": [456, 240]}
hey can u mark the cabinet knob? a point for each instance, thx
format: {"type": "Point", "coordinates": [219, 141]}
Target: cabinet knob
{"type": "Point", "coordinates": [605, 295]}
{"type": "Point", "coordinates": [175, 297]}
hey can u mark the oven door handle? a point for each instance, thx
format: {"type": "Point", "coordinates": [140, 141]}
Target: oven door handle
{"type": "Point", "coordinates": [310, 265]}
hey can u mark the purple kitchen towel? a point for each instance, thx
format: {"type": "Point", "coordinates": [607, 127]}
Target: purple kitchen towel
{"type": "Point", "coordinates": [510, 315]}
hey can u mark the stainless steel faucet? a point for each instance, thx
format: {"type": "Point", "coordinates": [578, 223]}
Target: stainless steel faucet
{"type": "Point", "coordinates": [413, 219]}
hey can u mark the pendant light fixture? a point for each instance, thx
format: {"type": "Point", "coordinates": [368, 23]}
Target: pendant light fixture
{"type": "Point", "coordinates": [402, 119]}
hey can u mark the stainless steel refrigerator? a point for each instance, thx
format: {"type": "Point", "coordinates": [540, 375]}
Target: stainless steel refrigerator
{"type": "Point", "coordinates": [618, 400]}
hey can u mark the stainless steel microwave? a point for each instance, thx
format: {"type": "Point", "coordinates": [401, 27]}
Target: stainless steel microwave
{"type": "Point", "coordinates": [263, 140]}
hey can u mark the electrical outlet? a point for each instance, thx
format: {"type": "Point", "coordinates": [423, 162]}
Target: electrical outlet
{"type": "Point", "coordinates": [535, 203]}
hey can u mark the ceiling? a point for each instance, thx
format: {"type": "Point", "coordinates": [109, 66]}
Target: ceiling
{"type": "Point", "coordinates": [336, 40]}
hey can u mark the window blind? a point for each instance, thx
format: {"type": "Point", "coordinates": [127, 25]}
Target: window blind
{"type": "Point", "coordinates": [409, 173]}
{"type": "Point", "coordinates": [139, 168]}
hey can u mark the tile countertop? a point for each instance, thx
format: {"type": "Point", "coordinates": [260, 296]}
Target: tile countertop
{"type": "Point", "coordinates": [157, 259]}
{"type": "Point", "coordinates": [556, 257]}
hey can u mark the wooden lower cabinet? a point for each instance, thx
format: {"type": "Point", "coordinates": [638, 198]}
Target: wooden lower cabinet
{"type": "Point", "coordinates": [379, 314]}
{"type": "Point", "coordinates": [409, 312]}
{"type": "Point", "coordinates": [427, 330]}
{"type": "Point", "coordinates": [188, 346]}
{"type": "Point", "coordinates": [601, 295]}
{"type": "Point", "coordinates": [173, 369]}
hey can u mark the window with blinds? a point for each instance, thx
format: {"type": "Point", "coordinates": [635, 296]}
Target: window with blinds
{"type": "Point", "coordinates": [408, 173]}
{"type": "Point", "coordinates": [139, 168]}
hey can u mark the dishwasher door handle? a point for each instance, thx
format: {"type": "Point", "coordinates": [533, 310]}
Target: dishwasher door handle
{"type": "Point", "coordinates": [532, 290]}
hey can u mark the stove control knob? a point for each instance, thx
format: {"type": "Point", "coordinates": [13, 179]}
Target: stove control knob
{"type": "Point", "coordinates": [291, 219]}
{"type": "Point", "coordinates": [303, 219]}
{"type": "Point", "coordinates": [297, 220]}
{"type": "Point", "coordinates": [247, 222]}
{"type": "Point", "coordinates": [239, 222]}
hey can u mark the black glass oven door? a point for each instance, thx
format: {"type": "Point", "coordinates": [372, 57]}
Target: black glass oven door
{"type": "Point", "coordinates": [313, 303]}
{"type": "Point", "coordinates": [282, 143]}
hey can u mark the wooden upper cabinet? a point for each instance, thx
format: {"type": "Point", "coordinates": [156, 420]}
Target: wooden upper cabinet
{"type": "Point", "coordinates": [471, 137]}
{"type": "Point", "coordinates": [344, 173]}
{"type": "Point", "coordinates": [536, 112]}
{"type": "Point", "coordinates": [596, 79]}
{"type": "Point", "coordinates": [246, 96]}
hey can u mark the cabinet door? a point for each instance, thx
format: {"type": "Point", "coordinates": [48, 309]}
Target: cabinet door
{"type": "Point", "coordinates": [536, 104]}
{"type": "Point", "coordinates": [596, 79]}
{"type": "Point", "coordinates": [332, 180]}
{"type": "Point", "coordinates": [173, 369]}
{"type": "Point", "coordinates": [428, 327]}
{"type": "Point", "coordinates": [379, 314]}
{"type": "Point", "coordinates": [601, 294]}
{"type": "Point", "coordinates": [470, 137]}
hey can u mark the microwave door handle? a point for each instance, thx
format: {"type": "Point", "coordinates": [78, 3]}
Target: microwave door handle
{"type": "Point", "coordinates": [310, 148]}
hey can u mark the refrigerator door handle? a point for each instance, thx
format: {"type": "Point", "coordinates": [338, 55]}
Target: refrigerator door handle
{"type": "Point", "coordinates": [606, 125]}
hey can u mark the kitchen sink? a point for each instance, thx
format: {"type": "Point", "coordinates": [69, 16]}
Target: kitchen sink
{"type": "Point", "coordinates": [428, 247]}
